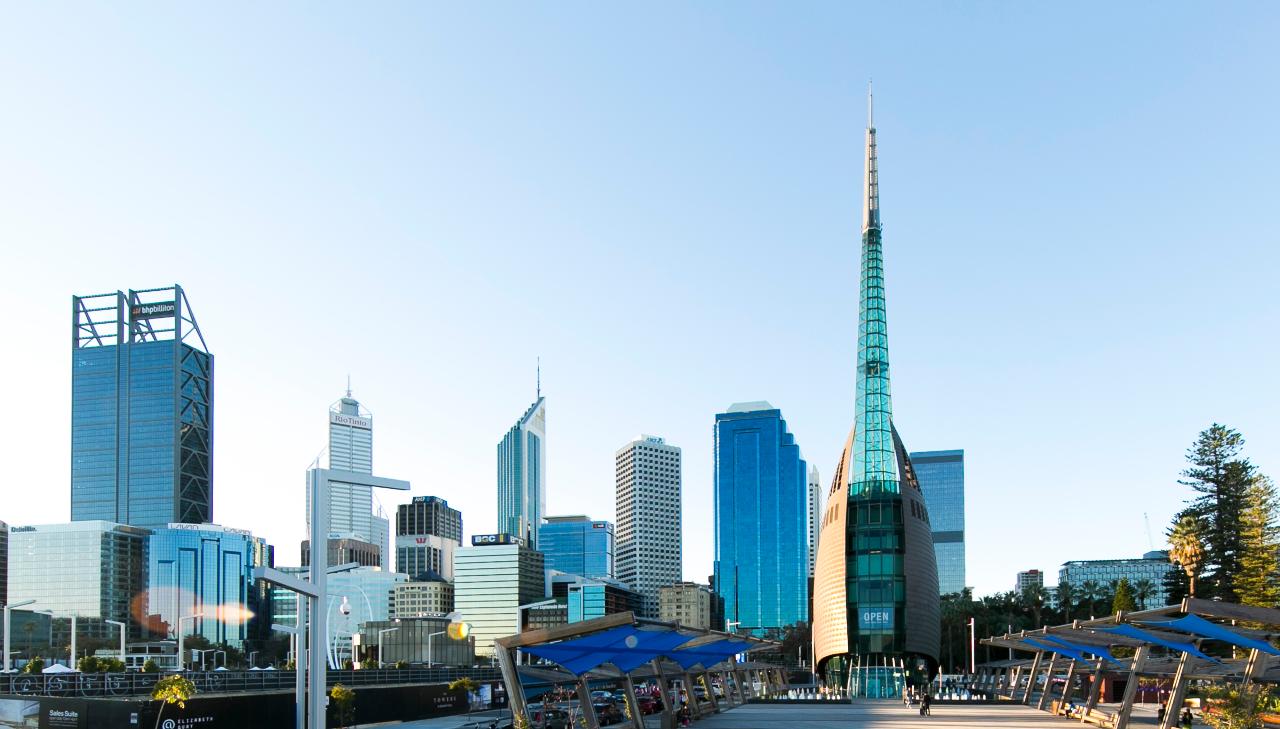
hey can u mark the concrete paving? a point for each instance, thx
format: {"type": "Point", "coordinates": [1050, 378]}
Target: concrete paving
{"type": "Point", "coordinates": [865, 714]}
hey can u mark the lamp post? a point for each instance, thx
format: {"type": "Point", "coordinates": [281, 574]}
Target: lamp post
{"type": "Point", "coordinates": [296, 637]}
{"type": "Point", "coordinates": [7, 610]}
{"type": "Point", "coordinates": [72, 664]}
{"type": "Point", "coordinates": [429, 653]}
{"type": "Point", "coordinates": [384, 631]}
{"type": "Point", "coordinates": [121, 626]}
{"type": "Point", "coordinates": [311, 593]}
{"type": "Point", "coordinates": [182, 660]}
{"type": "Point", "coordinates": [215, 658]}
{"type": "Point", "coordinates": [252, 664]}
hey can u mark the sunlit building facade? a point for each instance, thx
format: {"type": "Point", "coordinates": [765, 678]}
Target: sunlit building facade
{"type": "Point", "coordinates": [207, 570]}
{"type": "Point", "coordinates": [941, 475]}
{"type": "Point", "coordinates": [94, 570]}
{"type": "Point", "coordinates": [648, 491]}
{"type": "Point", "coordinates": [492, 578]}
{"type": "Point", "coordinates": [876, 604]}
{"type": "Point", "coordinates": [522, 475]}
{"type": "Point", "coordinates": [761, 520]}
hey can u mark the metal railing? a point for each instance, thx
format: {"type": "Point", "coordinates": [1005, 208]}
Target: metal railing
{"type": "Point", "coordinates": [132, 684]}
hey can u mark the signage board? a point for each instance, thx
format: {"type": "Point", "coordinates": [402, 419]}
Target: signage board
{"type": "Point", "coordinates": [156, 310]}
{"type": "Point", "coordinates": [482, 540]}
{"type": "Point", "coordinates": [351, 421]}
{"type": "Point", "coordinates": [875, 618]}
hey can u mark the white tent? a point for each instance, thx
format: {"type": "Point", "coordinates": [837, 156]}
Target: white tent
{"type": "Point", "coordinates": [59, 668]}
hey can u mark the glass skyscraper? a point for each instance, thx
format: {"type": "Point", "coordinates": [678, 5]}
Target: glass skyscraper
{"type": "Point", "coordinates": [141, 410]}
{"type": "Point", "coordinates": [351, 507]}
{"type": "Point", "coordinates": [428, 532]}
{"type": "Point", "coordinates": [876, 605]}
{"type": "Point", "coordinates": [94, 570]}
{"type": "Point", "coordinates": [578, 546]}
{"type": "Point", "coordinates": [208, 569]}
{"type": "Point", "coordinates": [761, 519]}
{"type": "Point", "coordinates": [941, 475]}
{"type": "Point", "coordinates": [522, 475]}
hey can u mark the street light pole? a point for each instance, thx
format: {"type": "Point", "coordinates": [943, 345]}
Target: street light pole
{"type": "Point", "coordinates": [182, 661]}
{"type": "Point", "coordinates": [392, 630]}
{"type": "Point", "coordinates": [215, 658]}
{"type": "Point", "coordinates": [297, 637]}
{"type": "Point", "coordinates": [72, 664]}
{"type": "Point", "coordinates": [973, 648]}
{"type": "Point", "coordinates": [121, 626]}
{"type": "Point", "coordinates": [430, 659]}
{"type": "Point", "coordinates": [7, 610]}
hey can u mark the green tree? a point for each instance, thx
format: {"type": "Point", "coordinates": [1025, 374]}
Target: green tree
{"type": "Point", "coordinates": [150, 666]}
{"type": "Point", "coordinates": [1255, 582]}
{"type": "Point", "coordinates": [88, 664]}
{"type": "Point", "coordinates": [1221, 478]}
{"type": "Point", "coordinates": [468, 686]}
{"type": "Point", "coordinates": [1123, 599]}
{"type": "Point", "coordinates": [35, 665]}
{"type": "Point", "coordinates": [110, 665]}
{"type": "Point", "coordinates": [1033, 598]}
{"type": "Point", "coordinates": [172, 690]}
{"type": "Point", "coordinates": [1186, 547]}
{"type": "Point", "coordinates": [344, 700]}
{"type": "Point", "coordinates": [1238, 707]}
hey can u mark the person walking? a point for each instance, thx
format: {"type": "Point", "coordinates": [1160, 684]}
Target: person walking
{"type": "Point", "coordinates": [925, 701]}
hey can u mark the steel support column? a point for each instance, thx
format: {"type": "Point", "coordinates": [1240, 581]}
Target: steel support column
{"type": "Point", "coordinates": [511, 679]}
{"type": "Point", "coordinates": [1131, 686]}
{"type": "Point", "coordinates": [1031, 678]}
{"type": "Point", "coordinates": [668, 715]}
{"type": "Point", "coordinates": [584, 700]}
{"type": "Point", "coordinates": [1048, 683]}
{"type": "Point", "coordinates": [1178, 691]}
{"type": "Point", "coordinates": [633, 706]}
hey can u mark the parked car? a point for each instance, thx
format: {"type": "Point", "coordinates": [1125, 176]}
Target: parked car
{"type": "Point", "coordinates": [607, 712]}
{"type": "Point", "coordinates": [649, 705]}
{"type": "Point", "coordinates": [548, 717]}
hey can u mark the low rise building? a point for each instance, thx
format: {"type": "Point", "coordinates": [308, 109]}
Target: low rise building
{"type": "Point", "coordinates": [422, 598]}
{"type": "Point", "coordinates": [1146, 574]}
{"type": "Point", "coordinates": [687, 603]}
{"type": "Point", "coordinates": [492, 579]}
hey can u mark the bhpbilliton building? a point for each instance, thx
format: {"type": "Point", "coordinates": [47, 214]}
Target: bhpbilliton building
{"type": "Point", "coordinates": [876, 605]}
{"type": "Point", "coordinates": [141, 410]}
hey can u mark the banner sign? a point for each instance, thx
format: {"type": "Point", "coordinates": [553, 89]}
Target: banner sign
{"type": "Point", "coordinates": [157, 310]}
{"type": "Point", "coordinates": [875, 618]}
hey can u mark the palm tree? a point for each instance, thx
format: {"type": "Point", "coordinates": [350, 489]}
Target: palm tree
{"type": "Point", "coordinates": [1090, 591]}
{"type": "Point", "coordinates": [1186, 547]}
{"type": "Point", "coordinates": [1143, 590]}
{"type": "Point", "coordinates": [1066, 595]}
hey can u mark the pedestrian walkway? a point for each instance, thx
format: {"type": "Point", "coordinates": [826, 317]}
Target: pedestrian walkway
{"type": "Point", "coordinates": [865, 714]}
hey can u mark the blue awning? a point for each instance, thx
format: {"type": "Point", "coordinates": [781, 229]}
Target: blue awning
{"type": "Point", "coordinates": [1098, 651]}
{"type": "Point", "coordinates": [1196, 625]}
{"type": "Point", "coordinates": [1068, 652]}
{"type": "Point", "coordinates": [628, 647]}
{"type": "Point", "coordinates": [1131, 631]}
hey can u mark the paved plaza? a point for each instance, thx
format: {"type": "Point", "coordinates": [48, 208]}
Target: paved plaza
{"type": "Point", "coordinates": [866, 714]}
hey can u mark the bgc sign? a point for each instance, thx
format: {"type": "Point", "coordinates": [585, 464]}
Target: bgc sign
{"type": "Point", "coordinates": [875, 618]}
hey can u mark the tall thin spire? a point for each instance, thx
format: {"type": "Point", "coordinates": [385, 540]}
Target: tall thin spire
{"type": "Point", "coordinates": [348, 384]}
{"type": "Point", "coordinates": [871, 183]}
{"type": "Point", "coordinates": [874, 464]}
{"type": "Point", "coordinates": [539, 378]}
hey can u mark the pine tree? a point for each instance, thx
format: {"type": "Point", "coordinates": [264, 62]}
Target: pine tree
{"type": "Point", "coordinates": [1256, 581]}
{"type": "Point", "coordinates": [1124, 597]}
{"type": "Point", "coordinates": [1220, 478]}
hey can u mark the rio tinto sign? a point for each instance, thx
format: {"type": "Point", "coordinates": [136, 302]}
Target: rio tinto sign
{"type": "Point", "coordinates": [351, 421]}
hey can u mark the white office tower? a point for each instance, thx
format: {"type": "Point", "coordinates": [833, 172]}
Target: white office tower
{"type": "Point", "coordinates": [648, 548]}
{"type": "Point", "coordinates": [815, 515]}
{"type": "Point", "coordinates": [351, 508]}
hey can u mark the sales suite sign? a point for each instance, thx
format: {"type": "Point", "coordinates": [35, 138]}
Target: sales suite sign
{"type": "Point", "coordinates": [875, 618]}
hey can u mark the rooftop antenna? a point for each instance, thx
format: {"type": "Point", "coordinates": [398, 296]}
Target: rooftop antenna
{"type": "Point", "coordinates": [348, 384]}
{"type": "Point", "coordinates": [870, 119]}
{"type": "Point", "coordinates": [1151, 545]}
{"type": "Point", "coordinates": [539, 377]}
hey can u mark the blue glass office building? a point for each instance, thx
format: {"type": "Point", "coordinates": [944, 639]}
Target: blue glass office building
{"type": "Point", "coordinates": [207, 569]}
{"type": "Point", "coordinates": [761, 519]}
{"type": "Point", "coordinates": [141, 410]}
{"type": "Point", "coordinates": [578, 546]}
{"type": "Point", "coordinates": [941, 476]}
{"type": "Point", "coordinates": [522, 475]}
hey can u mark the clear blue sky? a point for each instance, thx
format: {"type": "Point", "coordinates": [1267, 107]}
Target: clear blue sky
{"type": "Point", "coordinates": [662, 201]}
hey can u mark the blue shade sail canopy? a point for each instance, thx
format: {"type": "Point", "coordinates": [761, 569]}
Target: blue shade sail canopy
{"type": "Point", "coordinates": [1196, 625]}
{"type": "Point", "coordinates": [628, 647]}
{"type": "Point", "coordinates": [1063, 650]}
{"type": "Point", "coordinates": [1098, 651]}
{"type": "Point", "coordinates": [1130, 631]}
